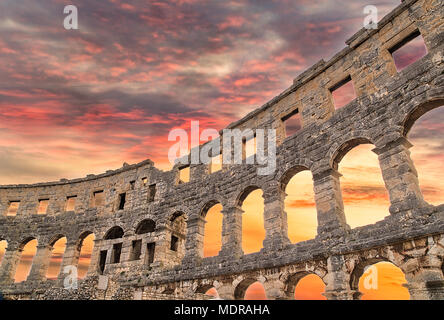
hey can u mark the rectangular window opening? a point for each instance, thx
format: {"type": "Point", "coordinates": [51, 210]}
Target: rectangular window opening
{"type": "Point", "coordinates": [174, 243]}
{"type": "Point", "coordinates": [70, 203]}
{"type": "Point", "coordinates": [343, 93]}
{"type": "Point", "coordinates": [102, 261]}
{"type": "Point", "coordinates": [117, 250]}
{"type": "Point", "coordinates": [151, 193]}
{"type": "Point", "coordinates": [292, 123]}
{"type": "Point", "coordinates": [144, 181]}
{"type": "Point", "coordinates": [150, 249]}
{"type": "Point", "coordinates": [409, 50]}
{"type": "Point", "coordinates": [132, 184]}
{"type": "Point", "coordinates": [216, 163]}
{"type": "Point", "coordinates": [136, 249]}
{"type": "Point", "coordinates": [122, 200]}
{"type": "Point", "coordinates": [99, 198]}
{"type": "Point", "coordinates": [13, 208]}
{"type": "Point", "coordinates": [184, 174]}
{"type": "Point", "coordinates": [43, 206]}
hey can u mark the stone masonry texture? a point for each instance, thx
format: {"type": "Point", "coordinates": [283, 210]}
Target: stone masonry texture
{"type": "Point", "coordinates": [153, 247]}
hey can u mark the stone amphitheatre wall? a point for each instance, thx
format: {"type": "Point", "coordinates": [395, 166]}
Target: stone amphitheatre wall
{"type": "Point", "coordinates": [387, 105]}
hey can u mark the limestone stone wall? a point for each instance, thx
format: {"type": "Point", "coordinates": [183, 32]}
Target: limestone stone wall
{"type": "Point", "coordinates": [387, 105]}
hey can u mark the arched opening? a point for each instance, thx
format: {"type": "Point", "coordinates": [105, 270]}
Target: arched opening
{"type": "Point", "coordinates": [3, 246]}
{"type": "Point", "coordinates": [146, 226]}
{"type": "Point", "coordinates": [86, 246]}
{"type": "Point", "coordinates": [55, 261]}
{"type": "Point", "coordinates": [425, 131]}
{"type": "Point", "coordinates": [309, 287]}
{"type": "Point", "coordinates": [178, 223]}
{"type": "Point", "coordinates": [114, 233]}
{"type": "Point", "coordinates": [212, 244]}
{"type": "Point", "coordinates": [365, 197]}
{"type": "Point", "coordinates": [208, 290]}
{"type": "Point", "coordinates": [300, 204]}
{"type": "Point", "coordinates": [253, 231]}
{"type": "Point", "coordinates": [255, 291]}
{"type": "Point", "coordinates": [29, 248]}
{"type": "Point", "coordinates": [379, 280]}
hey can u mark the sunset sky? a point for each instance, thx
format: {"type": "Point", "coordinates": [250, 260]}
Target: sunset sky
{"type": "Point", "coordinates": [75, 102]}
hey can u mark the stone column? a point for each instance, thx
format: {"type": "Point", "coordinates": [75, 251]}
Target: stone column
{"type": "Point", "coordinates": [40, 263]}
{"type": "Point", "coordinates": [423, 272]}
{"type": "Point", "coordinates": [9, 264]}
{"type": "Point", "coordinates": [338, 280]}
{"type": "Point", "coordinates": [329, 204]}
{"type": "Point", "coordinates": [275, 219]}
{"type": "Point", "coordinates": [194, 240]}
{"type": "Point", "coordinates": [93, 268]}
{"type": "Point", "coordinates": [232, 233]}
{"type": "Point", "coordinates": [70, 257]}
{"type": "Point", "coordinates": [275, 290]}
{"type": "Point", "coordinates": [226, 291]}
{"type": "Point", "coordinates": [400, 176]}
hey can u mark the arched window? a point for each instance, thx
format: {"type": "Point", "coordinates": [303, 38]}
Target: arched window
{"type": "Point", "coordinates": [364, 195]}
{"type": "Point", "coordinates": [212, 213]}
{"type": "Point", "coordinates": [250, 289]}
{"type": "Point", "coordinates": [86, 246]}
{"type": "Point", "coordinates": [425, 131]}
{"type": "Point", "coordinates": [146, 226]}
{"type": "Point", "coordinates": [300, 205]}
{"type": "Point", "coordinates": [253, 231]}
{"type": "Point", "coordinates": [29, 248]}
{"type": "Point", "coordinates": [310, 287]}
{"type": "Point", "coordinates": [114, 233]}
{"type": "Point", "coordinates": [55, 262]}
{"type": "Point", "coordinates": [379, 281]}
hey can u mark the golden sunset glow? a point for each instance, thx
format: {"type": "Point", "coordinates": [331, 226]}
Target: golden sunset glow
{"type": "Point", "coordinates": [56, 259]}
{"type": "Point", "coordinates": [253, 232]}
{"type": "Point", "coordinates": [24, 266]}
{"type": "Point", "coordinates": [213, 231]}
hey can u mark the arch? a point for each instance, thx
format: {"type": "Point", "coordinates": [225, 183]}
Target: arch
{"type": "Point", "coordinates": [115, 232]}
{"type": "Point", "coordinates": [28, 248]}
{"type": "Point", "coordinates": [365, 198]}
{"type": "Point", "coordinates": [297, 288]}
{"type": "Point", "coordinates": [145, 226]}
{"type": "Point", "coordinates": [380, 279]}
{"type": "Point", "coordinates": [207, 289]}
{"type": "Point", "coordinates": [212, 238]}
{"type": "Point", "coordinates": [299, 204]}
{"type": "Point", "coordinates": [58, 247]}
{"type": "Point", "coordinates": [417, 112]}
{"type": "Point", "coordinates": [340, 151]}
{"type": "Point", "coordinates": [241, 288]}
{"type": "Point", "coordinates": [253, 225]}
{"type": "Point", "coordinates": [84, 251]}
{"type": "Point", "coordinates": [289, 174]}
{"type": "Point", "coordinates": [244, 194]}
{"type": "Point", "coordinates": [425, 129]}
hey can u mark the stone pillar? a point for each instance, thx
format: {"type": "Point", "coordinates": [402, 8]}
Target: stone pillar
{"type": "Point", "coordinates": [9, 264]}
{"type": "Point", "coordinates": [194, 240]}
{"type": "Point", "coordinates": [70, 257]}
{"type": "Point", "coordinates": [40, 263]}
{"type": "Point", "coordinates": [423, 272]}
{"type": "Point", "coordinates": [400, 176]}
{"type": "Point", "coordinates": [226, 291]}
{"type": "Point", "coordinates": [93, 268]}
{"type": "Point", "coordinates": [275, 219]}
{"type": "Point", "coordinates": [338, 280]}
{"type": "Point", "coordinates": [275, 290]}
{"type": "Point", "coordinates": [232, 232]}
{"type": "Point", "coordinates": [329, 204]}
